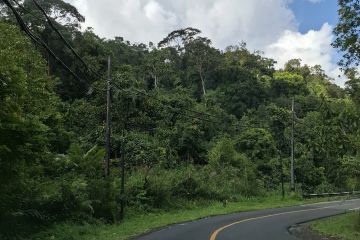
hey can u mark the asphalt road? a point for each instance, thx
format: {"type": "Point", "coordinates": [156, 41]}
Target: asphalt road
{"type": "Point", "coordinates": [270, 224]}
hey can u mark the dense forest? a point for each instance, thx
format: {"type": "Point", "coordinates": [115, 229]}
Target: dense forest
{"type": "Point", "coordinates": [191, 122]}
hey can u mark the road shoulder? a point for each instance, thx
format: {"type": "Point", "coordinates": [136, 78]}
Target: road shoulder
{"type": "Point", "coordinates": [340, 227]}
{"type": "Point", "coordinates": [305, 232]}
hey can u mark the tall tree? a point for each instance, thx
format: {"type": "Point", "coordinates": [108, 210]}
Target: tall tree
{"type": "Point", "coordinates": [157, 64]}
{"type": "Point", "coordinates": [29, 123]}
{"type": "Point", "coordinates": [178, 38]}
{"type": "Point", "coordinates": [203, 57]}
{"type": "Point", "coordinates": [347, 32]}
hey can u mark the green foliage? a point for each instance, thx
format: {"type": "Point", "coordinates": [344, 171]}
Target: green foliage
{"type": "Point", "coordinates": [257, 143]}
{"type": "Point", "coordinates": [223, 153]}
{"type": "Point", "coordinates": [288, 84]}
{"type": "Point", "coordinates": [144, 150]}
{"type": "Point", "coordinates": [28, 107]}
{"type": "Point", "coordinates": [142, 222]}
{"type": "Point", "coordinates": [193, 123]}
{"type": "Point", "coordinates": [346, 226]}
{"type": "Point", "coordinates": [347, 32]}
{"type": "Point", "coordinates": [353, 85]}
{"type": "Point", "coordinates": [245, 73]}
{"type": "Point", "coordinates": [168, 188]}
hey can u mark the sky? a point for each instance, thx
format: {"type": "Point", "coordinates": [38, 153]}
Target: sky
{"type": "Point", "coordinates": [282, 29]}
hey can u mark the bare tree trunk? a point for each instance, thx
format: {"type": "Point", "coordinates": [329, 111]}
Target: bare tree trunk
{"type": "Point", "coordinates": [202, 83]}
{"type": "Point", "coordinates": [154, 75]}
{"type": "Point", "coordinates": [155, 81]}
{"type": "Point", "coordinates": [48, 62]}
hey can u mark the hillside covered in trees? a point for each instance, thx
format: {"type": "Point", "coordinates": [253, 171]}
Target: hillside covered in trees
{"type": "Point", "coordinates": [191, 122]}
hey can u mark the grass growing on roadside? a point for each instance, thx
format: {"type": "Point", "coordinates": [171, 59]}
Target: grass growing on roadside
{"type": "Point", "coordinates": [346, 227]}
{"type": "Point", "coordinates": [136, 225]}
{"type": "Point", "coordinates": [133, 226]}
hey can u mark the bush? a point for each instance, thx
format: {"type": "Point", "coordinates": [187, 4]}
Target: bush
{"type": "Point", "coordinates": [165, 188]}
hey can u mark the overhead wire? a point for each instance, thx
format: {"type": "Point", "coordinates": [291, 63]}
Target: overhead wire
{"type": "Point", "coordinates": [190, 112]}
{"type": "Point", "coordinates": [38, 40]}
{"type": "Point", "coordinates": [166, 104]}
{"type": "Point", "coordinates": [67, 44]}
{"type": "Point", "coordinates": [27, 11]}
{"type": "Point", "coordinates": [42, 43]}
{"type": "Point", "coordinates": [201, 115]}
{"type": "Point", "coordinates": [49, 21]}
{"type": "Point", "coordinates": [309, 128]}
{"type": "Point", "coordinates": [181, 108]}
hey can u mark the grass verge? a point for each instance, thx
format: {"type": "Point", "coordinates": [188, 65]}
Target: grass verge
{"type": "Point", "coordinates": [344, 227]}
{"type": "Point", "coordinates": [140, 224]}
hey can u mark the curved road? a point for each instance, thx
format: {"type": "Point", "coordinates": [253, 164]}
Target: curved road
{"type": "Point", "coordinates": [270, 224]}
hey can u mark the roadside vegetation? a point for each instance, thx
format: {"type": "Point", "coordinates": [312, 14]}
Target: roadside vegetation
{"type": "Point", "coordinates": [202, 131]}
{"type": "Point", "coordinates": [342, 227]}
{"type": "Point", "coordinates": [142, 223]}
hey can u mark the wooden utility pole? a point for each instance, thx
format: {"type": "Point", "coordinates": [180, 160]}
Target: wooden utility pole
{"type": "Point", "coordinates": [281, 174]}
{"type": "Point", "coordinates": [122, 189]}
{"type": "Point", "coordinates": [108, 121]}
{"type": "Point", "coordinates": [292, 185]}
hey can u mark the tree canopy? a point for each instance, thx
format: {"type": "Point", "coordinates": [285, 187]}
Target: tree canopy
{"type": "Point", "coordinates": [191, 121]}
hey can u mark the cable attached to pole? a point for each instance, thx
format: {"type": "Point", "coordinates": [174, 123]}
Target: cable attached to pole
{"type": "Point", "coordinates": [67, 44]}
{"type": "Point", "coordinates": [38, 40]}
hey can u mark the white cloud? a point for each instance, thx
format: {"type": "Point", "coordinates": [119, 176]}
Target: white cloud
{"type": "Point", "coordinates": [226, 22]}
{"type": "Point", "coordinates": [135, 20]}
{"type": "Point", "coordinates": [312, 47]}
{"type": "Point", "coordinates": [268, 25]}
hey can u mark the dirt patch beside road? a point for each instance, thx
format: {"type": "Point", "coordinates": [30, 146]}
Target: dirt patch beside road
{"type": "Point", "coordinates": [304, 231]}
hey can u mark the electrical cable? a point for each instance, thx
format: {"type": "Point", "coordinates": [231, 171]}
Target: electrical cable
{"type": "Point", "coordinates": [167, 105]}
{"type": "Point", "coordinates": [42, 43]}
{"type": "Point", "coordinates": [48, 19]}
{"type": "Point", "coordinates": [163, 102]}
{"type": "Point", "coordinates": [39, 41]}
{"type": "Point", "coordinates": [196, 112]}
{"type": "Point", "coordinates": [27, 11]}
{"type": "Point", "coordinates": [237, 125]}
{"type": "Point", "coordinates": [67, 44]}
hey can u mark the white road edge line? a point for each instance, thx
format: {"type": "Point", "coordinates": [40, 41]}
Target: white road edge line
{"type": "Point", "coordinates": [338, 201]}
{"type": "Point", "coordinates": [217, 231]}
{"type": "Point", "coordinates": [354, 209]}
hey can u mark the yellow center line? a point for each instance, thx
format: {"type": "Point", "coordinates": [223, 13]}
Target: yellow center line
{"type": "Point", "coordinates": [217, 231]}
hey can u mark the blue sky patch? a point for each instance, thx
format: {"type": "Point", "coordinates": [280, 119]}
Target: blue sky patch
{"type": "Point", "coordinates": [313, 15]}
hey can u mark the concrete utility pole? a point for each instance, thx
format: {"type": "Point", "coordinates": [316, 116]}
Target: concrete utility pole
{"type": "Point", "coordinates": [292, 185]}
{"type": "Point", "coordinates": [108, 121]}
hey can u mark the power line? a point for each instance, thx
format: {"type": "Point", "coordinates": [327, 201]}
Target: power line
{"type": "Point", "coordinates": [67, 44]}
{"type": "Point", "coordinates": [190, 110]}
{"type": "Point", "coordinates": [27, 11]}
{"type": "Point", "coordinates": [172, 107]}
{"type": "Point", "coordinates": [190, 114]}
{"type": "Point", "coordinates": [51, 24]}
{"type": "Point", "coordinates": [38, 40]}
{"type": "Point", "coordinates": [90, 69]}
{"type": "Point", "coordinates": [310, 128]}
{"type": "Point", "coordinates": [161, 101]}
{"type": "Point", "coordinates": [183, 113]}
{"type": "Point", "coordinates": [166, 103]}
{"type": "Point", "coordinates": [196, 112]}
